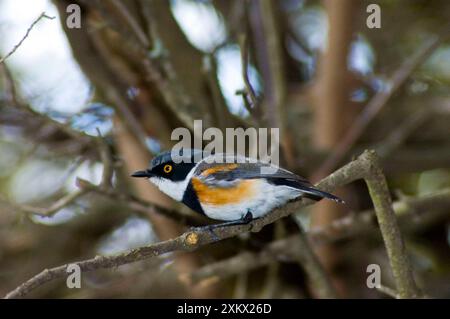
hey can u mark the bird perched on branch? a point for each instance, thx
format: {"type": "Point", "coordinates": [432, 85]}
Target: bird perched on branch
{"type": "Point", "coordinates": [228, 188]}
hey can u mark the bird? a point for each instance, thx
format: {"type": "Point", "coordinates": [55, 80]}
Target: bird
{"type": "Point", "coordinates": [232, 189]}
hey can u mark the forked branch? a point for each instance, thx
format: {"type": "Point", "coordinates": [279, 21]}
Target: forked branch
{"type": "Point", "coordinates": [364, 167]}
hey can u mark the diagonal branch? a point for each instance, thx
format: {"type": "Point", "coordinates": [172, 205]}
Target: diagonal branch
{"type": "Point", "coordinates": [364, 167]}
{"type": "Point", "coordinates": [396, 250]}
{"type": "Point", "coordinates": [50, 211]}
{"type": "Point", "coordinates": [410, 211]}
{"type": "Point", "coordinates": [42, 15]}
{"type": "Point", "coordinates": [376, 104]}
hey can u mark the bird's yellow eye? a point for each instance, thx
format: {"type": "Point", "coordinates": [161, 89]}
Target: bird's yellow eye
{"type": "Point", "coordinates": [167, 168]}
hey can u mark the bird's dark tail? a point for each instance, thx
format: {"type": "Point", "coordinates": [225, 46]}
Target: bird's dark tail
{"type": "Point", "coordinates": [307, 189]}
{"type": "Point", "coordinates": [315, 194]}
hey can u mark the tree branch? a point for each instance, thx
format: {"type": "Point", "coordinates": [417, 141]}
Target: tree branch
{"type": "Point", "coordinates": [249, 91]}
{"type": "Point", "coordinates": [365, 166]}
{"type": "Point", "coordinates": [314, 269]}
{"type": "Point", "coordinates": [401, 267]}
{"type": "Point", "coordinates": [50, 211]}
{"type": "Point", "coordinates": [138, 204]}
{"type": "Point", "coordinates": [409, 210]}
{"type": "Point", "coordinates": [376, 104]}
{"type": "Point", "coordinates": [42, 15]}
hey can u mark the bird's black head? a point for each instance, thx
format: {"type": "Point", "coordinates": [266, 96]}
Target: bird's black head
{"type": "Point", "coordinates": [171, 166]}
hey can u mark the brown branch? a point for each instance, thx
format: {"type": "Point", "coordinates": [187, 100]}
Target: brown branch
{"type": "Point", "coordinates": [16, 101]}
{"type": "Point", "coordinates": [42, 15]}
{"type": "Point", "coordinates": [218, 109]}
{"type": "Point", "coordinates": [105, 189]}
{"type": "Point", "coordinates": [313, 268]}
{"type": "Point", "coordinates": [105, 156]}
{"type": "Point", "coordinates": [274, 69]}
{"type": "Point", "coordinates": [388, 291]}
{"type": "Point", "coordinates": [125, 17]}
{"type": "Point", "coordinates": [9, 85]}
{"type": "Point", "coordinates": [284, 248]}
{"type": "Point", "coordinates": [274, 77]}
{"type": "Point", "coordinates": [409, 210]}
{"type": "Point", "coordinates": [376, 104]}
{"type": "Point", "coordinates": [401, 267]}
{"type": "Point", "coordinates": [50, 211]}
{"type": "Point", "coordinates": [402, 132]}
{"type": "Point", "coordinates": [250, 92]}
{"type": "Point", "coordinates": [366, 167]}
{"type": "Point", "coordinates": [138, 204]}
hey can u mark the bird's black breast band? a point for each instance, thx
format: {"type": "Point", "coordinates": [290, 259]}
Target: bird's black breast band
{"type": "Point", "coordinates": [191, 200]}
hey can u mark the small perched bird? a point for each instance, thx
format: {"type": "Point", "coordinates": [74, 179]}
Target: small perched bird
{"type": "Point", "coordinates": [228, 188]}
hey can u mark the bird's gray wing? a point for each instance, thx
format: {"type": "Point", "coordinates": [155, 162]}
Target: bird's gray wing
{"type": "Point", "coordinates": [232, 168]}
{"type": "Point", "coordinates": [227, 173]}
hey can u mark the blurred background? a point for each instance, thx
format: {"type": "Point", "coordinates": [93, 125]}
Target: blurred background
{"type": "Point", "coordinates": [99, 101]}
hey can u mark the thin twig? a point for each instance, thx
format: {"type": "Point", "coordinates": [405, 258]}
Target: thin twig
{"type": "Point", "coordinates": [9, 85]}
{"type": "Point", "coordinates": [400, 264]}
{"type": "Point", "coordinates": [42, 15]}
{"type": "Point", "coordinates": [137, 204]}
{"type": "Point", "coordinates": [218, 108]}
{"type": "Point", "coordinates": [410, 212]}
{"type": "Point", "coordinates": [402, 132]}
{"type": "Point", "coordinates": [376, 104]}
{"type": "Point", "coordinates": [125, 16]}
{"type": "Point", "coordinates": [274, 76]}
{"type": "Point", "coordinates": [366, 167]}
{"type": "Point", "coordinates": [388, 291]}
{"type": "Point", "coordinates": [315, 270]}
{"type": "Point", "coordinates": [50, 211]}
{"type": "Point", "coordinates": [250, 92]}
{"type": "Point", "coordinates": [105, 156]}
{"type": "Point", "coordinates": [273, 72]}
{"type": "Point", "coordinates": [187, 241]}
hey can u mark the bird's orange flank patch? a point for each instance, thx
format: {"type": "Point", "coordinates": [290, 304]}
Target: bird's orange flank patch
{"type": "Point", "coordinates": [219, 168]}
{"type": "Point", "coordinates": [210, 195]}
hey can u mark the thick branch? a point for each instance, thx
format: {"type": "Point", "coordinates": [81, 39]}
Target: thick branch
{"type": "Point", "coordinates": [411, 211]}
{"type": "Point", "coordinates": [316, 272]}
{"type": "Point", "coordinates": [138, 204]}
{"type": "Point", "coordinates": [377, 103]}
{"type": "Point", "coordinates": [401, 267]}
{"type": "Point", "coordinates": [366, 166]}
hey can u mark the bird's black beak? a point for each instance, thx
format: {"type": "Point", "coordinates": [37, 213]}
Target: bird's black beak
{"type": "Point", "coordinates": [142, 174]}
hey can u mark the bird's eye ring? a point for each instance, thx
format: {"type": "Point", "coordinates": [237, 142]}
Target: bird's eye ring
{"type": "Point", "coordinates": [167, 168]}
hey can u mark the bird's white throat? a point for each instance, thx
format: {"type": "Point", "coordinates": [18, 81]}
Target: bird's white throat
{"type": "Point", "coordinates": [171, 188]}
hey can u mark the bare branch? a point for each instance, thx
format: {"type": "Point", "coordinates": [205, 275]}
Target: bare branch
{"type": "Point", "coordinates": [402, 132]}
{"type": "Point", "coordinates": [138, 204]}
{"type": "Point", "coordinates": [376, 104]}
{"type": "Point", "coordinates": [316, 272]}
{"type": "Point", "coordinates": [410, 212]}
{"type": "Point", "coordinates": [42, 15]}
{"type": "Point", "coordinates": [401, 267]}
{"type": "Point", "coordinates": [388, 291]}
{"type": "Point", "coordinates": [50, 211]}
{"type": "Point", "coordinates": [218, 108]}
{"type": "Point", "coordinates": [125, 17]}
{"type": "Point", "coordinates": [105, 156]}
{"type": "Point", "coordinates": [248, 86]}
{"type": "Point", "coordinates": [365, 167]}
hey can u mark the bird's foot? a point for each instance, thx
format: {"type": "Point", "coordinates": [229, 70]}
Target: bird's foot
{"type": "Point", "coordinates": [246, 219]}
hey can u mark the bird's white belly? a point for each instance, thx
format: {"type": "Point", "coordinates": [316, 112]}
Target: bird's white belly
{"type": "Point", "coordinates": [266, 199]}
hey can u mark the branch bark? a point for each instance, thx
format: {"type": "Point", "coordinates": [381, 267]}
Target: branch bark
{"type": "Point", "coordinates": [376, 104]}
{"type": "Point", "coordinates": [401, 267]}
{"type": "Point", "coordinates": [41, 16]}
{"type": "Point", "coordinates": [410, 212]}
{"type": "Point", "coordinates": [365, 167]}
